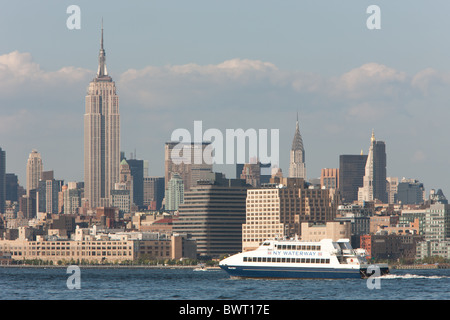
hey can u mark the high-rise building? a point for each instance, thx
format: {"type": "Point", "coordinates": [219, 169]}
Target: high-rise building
{"type": "Point", "coordinates": [329, 178]}
{"type": "Point", "coordinates": [392, 189]}
{"type": "Point", "coordinates": [174, 192]}
{"type": "Point", "coordinates": [2, 180]}
{"type": "Point", "coordinates": [47, 195]}
{"type": "Point", "coordinates": [213, 213]}
{"type": "Point", "coordinates": [34, 170]}
{"type": "Point", "coordinates": [436, 232]}
{"type": "Point", "coordinates": [72, 198]}
{"type": "Point", "coordinates": [12, 187]}
{"type": "Point", "coordinates": [121, 197]}
{"type": "Point", "coordinates": [101, 136]}
{"type": "Point", "coordinates": [374, 181]}
{"type": "Point", "coordinates": [154, 192]}
{"type": "Point", "coordinates": [125, 178]}
{"type": "Point", "coordinates": [410, 191]}
{"type": "Point", "coordinates": [277, 210]}
{"type": "Point", "coordinates": [251, 173]}
{"type": "Point", "coordinates": [137, 171]}
{"type": "Point", "coordinates": [297, 168]}
{"type": "Point", "coordinates": [351, 174]}
{"type": "Point", "coordinates": [187, 160]}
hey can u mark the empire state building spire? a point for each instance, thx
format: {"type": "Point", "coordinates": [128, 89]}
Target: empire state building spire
{"type": "Point", "coordinates": [101, 137]}
{"type": "Point", "coordinates": [102, 72]}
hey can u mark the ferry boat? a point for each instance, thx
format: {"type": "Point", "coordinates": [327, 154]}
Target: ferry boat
{"type": "Point", "coordinates": [292, 258]}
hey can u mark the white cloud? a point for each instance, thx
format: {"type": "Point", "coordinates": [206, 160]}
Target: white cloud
{"type": "Point", "coordinates": [20, 74]}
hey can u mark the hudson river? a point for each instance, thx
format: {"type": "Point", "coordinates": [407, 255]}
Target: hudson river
{"type": "Point", "coordinates": [187, 284]}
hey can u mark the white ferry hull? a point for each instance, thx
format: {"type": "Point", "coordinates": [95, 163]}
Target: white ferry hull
{"type": "Point", "coordinates": [291, 272]}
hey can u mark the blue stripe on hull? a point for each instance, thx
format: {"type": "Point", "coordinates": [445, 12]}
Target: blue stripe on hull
{"type": "Point", "coordinates": [291, 272]}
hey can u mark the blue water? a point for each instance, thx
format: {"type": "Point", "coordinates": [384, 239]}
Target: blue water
{"type": "Point", "coordinates": [187, 284]}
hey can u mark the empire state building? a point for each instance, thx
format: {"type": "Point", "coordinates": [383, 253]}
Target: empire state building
{"type": "Point", "coordinates": [101, 136]}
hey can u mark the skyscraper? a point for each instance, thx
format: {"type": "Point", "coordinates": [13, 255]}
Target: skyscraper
{"type": "Point", "coordinates": [374, 181]}
{"type": "Point", "coordinates": [2, 180]}
{"type": "Point", "coordinates": [101, 136]}
{"type": "Point", "coordinates": [213, 213]}
{"type": "Point", "coordinates": [154, 190]}
{"type": "Point", "coordinates": [174, 192]}
{"type": "Point", "coordinates": [34, 171]}
{"type": "Point", "coordinates": [351, 174]}
{"type": "Point", "coordinates": [137, 171]}
{"type": "Point", "coordinates": [188, 161]}
{"type": "Point", "coordinates": [297, 167]}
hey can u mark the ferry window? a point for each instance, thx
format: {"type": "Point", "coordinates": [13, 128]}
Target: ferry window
{"type": "Point", "coordinates": [289, 247]}
{"type": "Point", "coordinates": [264, 259]}
{"type": "Point", "coordinates": [308, 247]}
{"type": "Point", "coordinates": [266, 243]}
{"type": "Point", "coordinates": [308, 260]}
{"type": "Point", "coordinates": [303, 260]}
{"type": "Point", "coordinates": [283, 259]}
{"type": "Point", "coordinates": [259, 259]}
{"type": "Point", "coordinates": [245, 259]}
{"type": "Point", "coordinates": [327, 260]}
{"type": "Point", "coordinates": [313, 247]}
{"type": "Point", "coordinates": [318, 248]}
{"type": "Point", "coordinates": [278, 259]}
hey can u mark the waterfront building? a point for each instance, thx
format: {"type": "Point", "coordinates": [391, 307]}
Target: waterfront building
{"type": "Point", "coordinates": [93, 245]}
{"type": "Point", "coordinates": [277, 210]}
{"type": "Point", "coordinates": [390, 246]}
{"type": "Point", "coordinates": [34, 171]}
{"type": "Point", "coordinates": [297, 166]}
{"type": "Point", "coordinates": [359, 218]}
{"type": "Point", "coordinates": [411, 215]}
{"type": "Point", "coordinates": [436, 232]}
{"type": "Point", "coordinates": [101, 136]}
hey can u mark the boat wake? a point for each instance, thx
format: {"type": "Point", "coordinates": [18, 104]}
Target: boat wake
{"type": "Point", "coordinates": [411, 276]}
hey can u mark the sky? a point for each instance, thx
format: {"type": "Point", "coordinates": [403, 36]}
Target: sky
{"type": "Point", "coordinates": [232, 64]}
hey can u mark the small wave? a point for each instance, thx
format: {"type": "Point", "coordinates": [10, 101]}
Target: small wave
{"type": "Point", "coordinates": [410, 276]}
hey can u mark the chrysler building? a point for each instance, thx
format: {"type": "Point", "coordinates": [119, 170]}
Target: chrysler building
{"type": "Point", "coordinates": [297, 167]}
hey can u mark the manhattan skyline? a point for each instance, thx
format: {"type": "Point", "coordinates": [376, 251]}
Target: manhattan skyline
{"type": "Point", "coordinates": [247, 69]}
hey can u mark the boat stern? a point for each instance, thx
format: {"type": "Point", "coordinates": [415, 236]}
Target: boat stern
{"type": "Point", "coordinates": [376, 270]}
